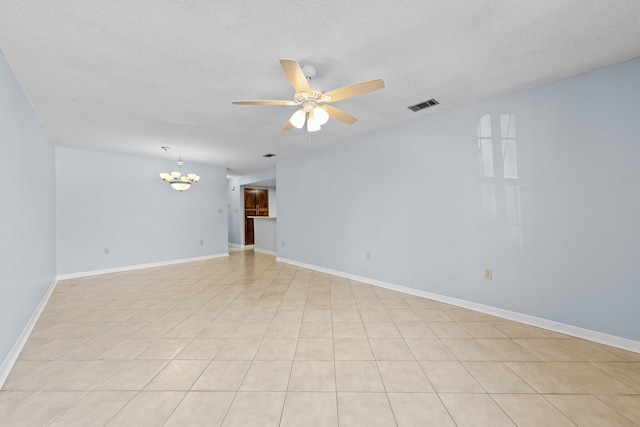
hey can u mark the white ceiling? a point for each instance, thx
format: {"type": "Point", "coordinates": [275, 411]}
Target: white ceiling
{"type": "Point", "coordinates": [129, 76]}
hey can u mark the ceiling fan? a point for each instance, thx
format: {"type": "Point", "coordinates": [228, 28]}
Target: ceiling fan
{"type": "Point", "coordinates": [315, 108]}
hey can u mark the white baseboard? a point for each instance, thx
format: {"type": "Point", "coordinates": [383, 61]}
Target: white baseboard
{"type": "Point", "coordinates": [539, 322]}
{"type": "Point", "coordinates": [138, 267]}
{"type": "Point", "coordinates": [11, 358]}
{"type": "Point", "coordinates": [235, 245]}
{"type": "Point", "coordinates": [264, 251]}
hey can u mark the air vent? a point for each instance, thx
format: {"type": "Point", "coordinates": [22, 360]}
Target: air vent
{"type": "Point", "coordinates": [269, 155]}
{"type": "Point", "coordinates": [423, 105]}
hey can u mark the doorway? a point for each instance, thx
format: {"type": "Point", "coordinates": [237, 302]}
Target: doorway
{"type": "Point", "coordinates": [256, 203]}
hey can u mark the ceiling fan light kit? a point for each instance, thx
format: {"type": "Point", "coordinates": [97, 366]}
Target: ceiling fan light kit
{"type": "Point", "coordinates": [321, 115]}
{"type": "Point", "coordinates": [315, 108]}
{"type": "Point", "coordinates": [314, 115]}
{"type": "Point", "coordinates": [312, 125]}
{"type": "Point", "coordinates": [298, 118]}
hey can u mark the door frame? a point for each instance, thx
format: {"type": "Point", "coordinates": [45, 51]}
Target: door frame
{"type": "Point", "coordinates": [242, 209]}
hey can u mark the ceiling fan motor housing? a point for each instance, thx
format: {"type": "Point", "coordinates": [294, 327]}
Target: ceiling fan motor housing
{"type": "Point", "coordinates": [304, 96]}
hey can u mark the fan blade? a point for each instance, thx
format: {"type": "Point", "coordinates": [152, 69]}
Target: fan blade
{"type": "Point", "coordinates": [288, 126]}
{"type": "Point", "coordinates": [352, 90]}
{"type": "Point", "coordinates": [338, 114]}
{"type": "Point", "coordinates": [295, 75]}
{"type": "Point", "coordinates": [266, 102]}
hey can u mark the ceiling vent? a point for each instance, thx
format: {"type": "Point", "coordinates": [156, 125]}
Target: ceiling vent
{"type": "Point", "coordinates": [269, 155]}
{"type": "Point", "coordinates": [426, 104]}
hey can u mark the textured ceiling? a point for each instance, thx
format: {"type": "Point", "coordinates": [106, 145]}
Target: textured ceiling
{"type": "Point", "coordinates": [129, 76]}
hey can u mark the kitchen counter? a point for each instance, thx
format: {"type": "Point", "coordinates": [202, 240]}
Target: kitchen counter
{"type": "Point", "coordinates": [264, 234]}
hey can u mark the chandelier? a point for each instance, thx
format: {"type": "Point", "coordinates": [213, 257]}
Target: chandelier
{"type": "Point", "coordinates": [176, 179]}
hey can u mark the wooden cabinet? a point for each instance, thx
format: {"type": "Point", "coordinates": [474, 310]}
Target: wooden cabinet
{"type": "Point", "coordinates": [256, 203]}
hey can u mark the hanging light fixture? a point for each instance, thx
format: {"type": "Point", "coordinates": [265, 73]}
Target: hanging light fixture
{"type": "Point", "coordinates": [176, 179]}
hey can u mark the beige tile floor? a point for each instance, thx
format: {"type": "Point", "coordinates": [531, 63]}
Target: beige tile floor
{"type": "Point", "coordinates": [246, 341]}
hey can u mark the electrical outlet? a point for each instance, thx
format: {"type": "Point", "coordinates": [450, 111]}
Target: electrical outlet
{"type": "Point", "coordinates": [220, 210]}
{"type": "Point", "coordinates": [488, 273]}
{"type": "Point", "coordinates": [368, 255]}
{"type": "Point", "coordinates": [201, 242]}
{"type": "Point", "coordinates": [106, 251]}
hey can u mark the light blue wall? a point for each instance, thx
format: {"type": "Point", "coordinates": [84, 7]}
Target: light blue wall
{"type": "Point", "coordinates": [562, 234]}
{"type": "Point", "coordinates": [236, 201]}
{"type": "Point", "coordinates": [118, 202]}
{"type": "Point", "coordinates": [27, 210]}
